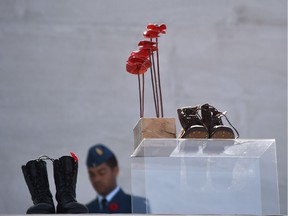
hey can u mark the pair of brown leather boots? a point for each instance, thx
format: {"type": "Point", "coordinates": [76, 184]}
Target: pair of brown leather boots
{"type": "Point", "coordinates": [209, 125]}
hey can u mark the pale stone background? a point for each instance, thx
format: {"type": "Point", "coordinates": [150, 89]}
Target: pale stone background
{"type": "Point", "coordinates": [64, 87]}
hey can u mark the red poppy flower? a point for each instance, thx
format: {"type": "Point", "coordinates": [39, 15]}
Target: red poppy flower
{"type": "Point", "coordinates": [113, 206]}
{"type": "Point", "coordinates": [150, 48]}
{"type": "Point", "coordinates": [151, 34]}
{"type": "Point", "coordinates": [137, 65]}
{"type": "Point", "coordinates": [136, 68]}
{"type": "Point", "coordinates": [159, 28]}
{"type": "Point", "coordinates": [137, 60]}
{"type": "Point", "coordinates": [146, 43]}
{"type": "Point", "coordinates": [144, 53]}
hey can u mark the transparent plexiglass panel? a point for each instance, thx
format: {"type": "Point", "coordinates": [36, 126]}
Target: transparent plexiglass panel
{"type": "Point", "coordinates": [190, 176]}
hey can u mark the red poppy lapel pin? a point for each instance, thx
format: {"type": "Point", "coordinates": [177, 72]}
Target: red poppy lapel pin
{"type": "Point", "coordinates": [113, 206]}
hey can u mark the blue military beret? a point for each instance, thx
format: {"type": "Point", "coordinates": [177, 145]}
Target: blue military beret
{"type": "Point", "coordinates": [97, 155]}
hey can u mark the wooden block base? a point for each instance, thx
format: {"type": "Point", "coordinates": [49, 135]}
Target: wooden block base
{"type": "Point", "coordinates": [154, 128]}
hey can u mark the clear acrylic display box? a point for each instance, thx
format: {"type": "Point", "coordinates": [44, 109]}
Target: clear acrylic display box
{"type": "Point", "coordinates": [193, 176]}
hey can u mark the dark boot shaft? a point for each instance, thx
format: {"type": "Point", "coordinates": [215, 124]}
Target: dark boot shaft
{"type": "Point", "coordinates": [191, 123]}
{"type": "Point", "coordinates": [188, 116]}
{"type": "Point", "coordinates": [216, 118]}
{"type": "Point", "coordinates": [35, 175]}
{"type": "Point", "coordinates": [65, 175]}
{"type": "Point", "coordinates": [206, 115]}
{"type": "Point", "coordinates": [212, 120]}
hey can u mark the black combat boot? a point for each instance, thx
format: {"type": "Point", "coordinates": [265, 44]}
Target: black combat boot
{"type": "Point", "coordinates": [65, 175]}
{"type": "Point", "coordinates": [191, 123]}
{"type": "Point", "coordinates": [35, 174]}
{"type": "Point", "coordinates": [211, 118]}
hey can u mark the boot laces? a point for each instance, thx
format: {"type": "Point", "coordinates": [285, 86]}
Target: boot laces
{"type": "Point", "coordinates": [38, 187]}
{"type": "Point", "coordinates": [191, 115]}
{"type": "Point", "coordinates": [68, 189]}
{"type": "Point", "coordinates": [219, 115]}
{"type": "Point", "coordinates": [69, 180]}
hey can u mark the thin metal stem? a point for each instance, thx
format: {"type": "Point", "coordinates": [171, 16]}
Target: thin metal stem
{"type": "Point", "coordinates": [140, 98]}
{"type": "Point", "coordinates": [159, 81]}
{"type": "Point", "coordinates": [153, 85]}
{"type": "Point", "coordinates": [143, 85]}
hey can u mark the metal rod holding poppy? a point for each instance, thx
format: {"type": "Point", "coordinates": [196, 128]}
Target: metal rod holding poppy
{"type": "Point", "coordinates": [151, 48]}
{"type": "Point", "coordinates": [140, 95]}
{"type": "Point", "coordinates": [154, 34]}
{"type": "Point", "coordinates": [153, 31]}
{"type": "Point", "coordinates": [142, 102]}
{"type": "Point", "coordinates": [159, 81]}
{"type": "Point", "coordinates": [153, 87]}
{"type": "Point", "coordinates": [138, 65]}
{"type": "Point", "coordinates": [154, 84]}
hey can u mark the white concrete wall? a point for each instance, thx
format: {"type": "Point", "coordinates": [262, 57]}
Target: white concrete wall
{"type": "Point", "coordinates": [64, 87]}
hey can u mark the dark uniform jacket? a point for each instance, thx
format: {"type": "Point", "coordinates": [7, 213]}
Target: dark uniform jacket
{"type": "Point", "coordinates": [121, 203]}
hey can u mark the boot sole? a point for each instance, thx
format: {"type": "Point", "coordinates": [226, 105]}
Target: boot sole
{"type": "Point", "coordinates": [196, 133]}
{"type": "Point", "coordinates": [40, 209]}
{"type": "Point", "coordinates": [223, 133]}
{"type": "Point", "coordinates": [72, 207]}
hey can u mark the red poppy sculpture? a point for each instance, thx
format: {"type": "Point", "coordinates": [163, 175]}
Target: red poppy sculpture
{"type": "Point", "coordinates": [140, 61]}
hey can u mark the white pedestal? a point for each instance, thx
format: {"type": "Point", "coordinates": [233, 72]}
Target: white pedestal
{"type": "Point", "coordinates": [189, 176]}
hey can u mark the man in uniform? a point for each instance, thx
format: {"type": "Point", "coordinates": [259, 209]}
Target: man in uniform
{"type": "Point", "coordinates": [103, 171]}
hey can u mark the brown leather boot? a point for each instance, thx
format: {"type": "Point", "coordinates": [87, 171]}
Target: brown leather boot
{"type": "Point", "coordinates": [211, 118]}
{"type": "Point", "coordinates": [192, 126]}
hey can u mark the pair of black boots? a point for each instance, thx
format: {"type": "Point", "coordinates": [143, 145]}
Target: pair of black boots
{"type": "Point", "coordinates": [65, 176]}
{"type": "Point", "coordinates": [209, 125]}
